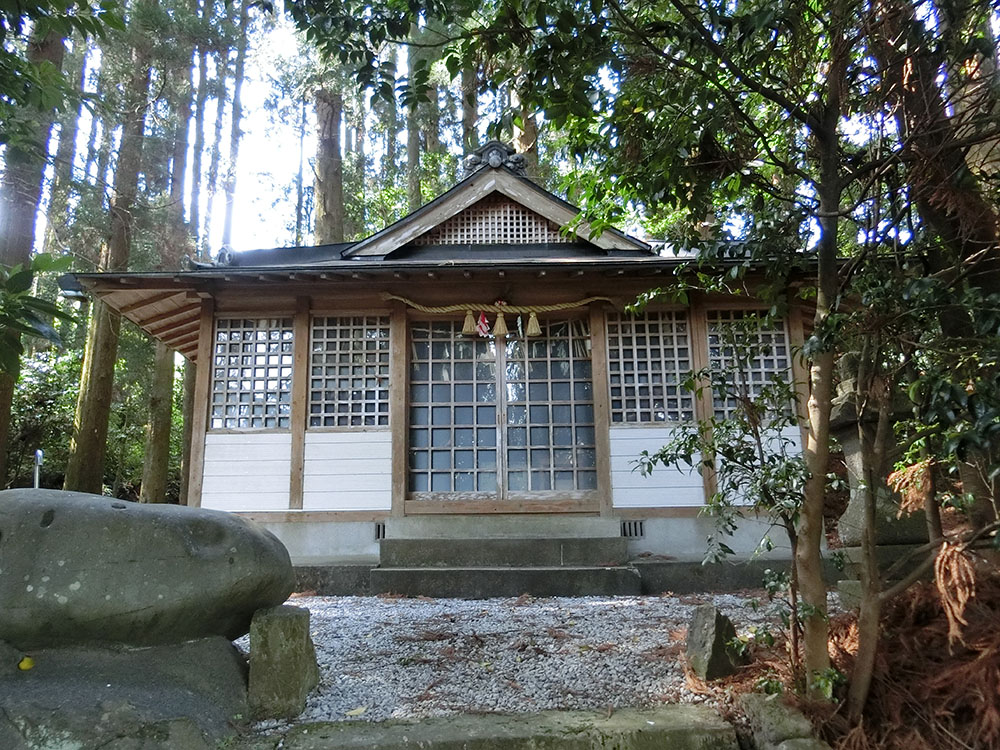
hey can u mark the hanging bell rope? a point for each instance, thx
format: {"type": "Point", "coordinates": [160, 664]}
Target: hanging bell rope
{"type": "Point", "coordinates": [468, 307]}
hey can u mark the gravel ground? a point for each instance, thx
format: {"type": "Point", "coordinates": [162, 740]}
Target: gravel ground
{"type": "Point", "coordinates": [384, 658]}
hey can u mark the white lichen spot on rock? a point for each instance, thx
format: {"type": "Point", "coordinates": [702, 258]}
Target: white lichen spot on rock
{"type": "Point", "coordinates": [62, 599]}
{"type": "Point", "coordinates": [30, 588]}
{"type": "Point", "coordinates": [75, 586]}
{"type": "Point", "coordinates": [61, 563]}
{"type": "Point", "coordinates": [45, 579]}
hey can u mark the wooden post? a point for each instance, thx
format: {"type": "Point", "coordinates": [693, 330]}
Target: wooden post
{"type": "Point", "coordinates": [602, 413]}
{"type": "Point", "coordinates": [398, 399]}
{"type": "Point", "coordinates": [300, 401]}
{"type": "Point", "coordinates": [202, 400]}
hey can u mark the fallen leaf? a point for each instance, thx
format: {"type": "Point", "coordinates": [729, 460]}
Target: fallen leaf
{"type": "Point", "coordinates": [26, 663]}
{"type": "Point", "coordinates": [357, 711]}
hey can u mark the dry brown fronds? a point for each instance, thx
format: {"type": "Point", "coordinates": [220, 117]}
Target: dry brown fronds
{"type": "Point", "coordinates": [956, 583]}
{"type": "Point", "coordinates": [913, 485]}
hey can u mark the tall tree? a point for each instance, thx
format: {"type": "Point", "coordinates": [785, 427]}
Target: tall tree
{"type": "Point", "coordinates": [85, 468]}
{"type": "Point", "coordinates": [235, 132]}
{"type": "Point", "coordinates": [329, 192]}
{"type": "Point", "coordinates": [20, 193]}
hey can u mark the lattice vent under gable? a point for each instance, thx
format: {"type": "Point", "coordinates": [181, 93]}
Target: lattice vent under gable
{"type": "Point", "coordinates": [494, 220]}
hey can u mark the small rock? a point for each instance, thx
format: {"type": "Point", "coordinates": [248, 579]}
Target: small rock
{"type": "Point", "coordinates": [773, 722]}
{"type": "Point", "coordinates": [79, 568]}
{"type": "Point", "coordinates": [283, 665]}
{"type": "Point", "coordinates": [709, 644]}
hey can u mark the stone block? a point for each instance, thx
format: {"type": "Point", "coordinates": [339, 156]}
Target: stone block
{"type": "Point", "coordinates": [186, 696]}
{"type": "Point", "coordinates": [773, 723]}
{"type": "Point", "coordinates": [283, 665]}
{"type": "Point", "coordinates": [710, 652]}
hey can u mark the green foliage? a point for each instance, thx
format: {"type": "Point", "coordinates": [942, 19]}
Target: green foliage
{"type": "Point", "coordinates": [23, 314]}
{"type": "Point", "coordinates": [42, 416]}
{"type": "Point", "coordinates": [28, 90]}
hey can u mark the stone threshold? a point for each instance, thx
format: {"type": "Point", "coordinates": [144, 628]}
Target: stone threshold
{"type": "Point", "coordinates": [678, 727]}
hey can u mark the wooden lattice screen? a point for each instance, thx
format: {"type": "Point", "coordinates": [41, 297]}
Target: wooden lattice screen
{"type": "Point", "coordinates": [494, 220]}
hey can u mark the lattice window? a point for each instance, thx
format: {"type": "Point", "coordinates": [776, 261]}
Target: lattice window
{"type": "Point", "coordinates": [252, 375]}
{"type": "Point", "coordinates": [472, 397]}
{"type": "Point", "coordinates": [750, 354]}
{"type": "Point", "coordinates": [649, 356]}
{"type": "Point", "coordinates": [493, 220]}
{"type": "Point", "coordinates": [453, 410]}
{"type": "Point", "coordinates": [349, 376]}
{"type": "Point", "coordinates": [550, 410]}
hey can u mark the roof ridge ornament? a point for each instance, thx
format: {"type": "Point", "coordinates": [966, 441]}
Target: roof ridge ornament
{"type": "Point", "coordinates": [495, 154]}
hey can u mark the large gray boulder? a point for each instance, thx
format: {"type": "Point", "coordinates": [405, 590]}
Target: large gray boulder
{"type": "Point", "coordinates": [79, 568]}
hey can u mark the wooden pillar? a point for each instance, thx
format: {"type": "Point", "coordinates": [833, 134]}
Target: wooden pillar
{"type": "Point", "coordinates": [300, 400]}
{"type": "Point", "coordinates": [398, 400]}
{"type": "Point", "coordinates": [202, 400]}
{"type": "Point", "coordinates": [602, 411]}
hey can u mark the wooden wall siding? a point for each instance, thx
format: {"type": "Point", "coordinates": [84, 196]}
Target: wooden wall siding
{"type": "Point", "coordinates": [666, 487]}
{"type": "Point", "coordinates": [348, 471]}
{"type": "Point", "coordinates": [246, 471]}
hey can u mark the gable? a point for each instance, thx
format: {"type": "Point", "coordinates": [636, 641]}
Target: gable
{"type": "Point", "coordinates": [495, 219]}
{"type": "Point", "coordinates": [530, 205]}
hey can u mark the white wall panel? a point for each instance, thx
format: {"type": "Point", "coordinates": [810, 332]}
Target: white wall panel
{"type": "Point", "coordinates": [246, 471]}
{"type": "Point", "coordinates": [350, 470]}
{"type": "Point", "coordinates": [666, 487]}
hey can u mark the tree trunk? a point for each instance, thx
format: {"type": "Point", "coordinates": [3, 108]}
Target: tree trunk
{"type": "Point", "coordinates": [85, 468]}
{"type": "Point", "coordinates": [329, 192]}
{"type": "Point", "coordinates": [190, 375]}
{"type": "Point", "coordinates": [221, 75]}
{"type": "Point", "coordinates": [62, 178]}
{"type": "Point", "coordinates": [470, 110]}
{"type": "Point", "coordinates": [300, 187]}
{"type": "Point", "coordinates": [526, 138]}
{"type": "Point", "coordinates": [413, 197]}
{"type": "Point", "coordinates": [156, 457]}
{"type": "Point", "coordinates": [20, 192]}
{"type": "Point", "coordinates": [201, 98]}
{"type": "Point", "coordinates": [808, 558]}
{"type": "Point", "coordinates": [235, 133]}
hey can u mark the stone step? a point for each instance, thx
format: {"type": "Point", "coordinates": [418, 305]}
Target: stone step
{"type": "Point", "coordinates": [485, 583]}
{"type": "Point", "coordinates": [677, 727]}
{"type": "Point", "coordinates": [485, 526]}
{"type": "Point", "coordinates": [497, 553]}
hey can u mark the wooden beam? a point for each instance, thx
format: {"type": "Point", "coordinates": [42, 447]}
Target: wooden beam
{"type": "Point", "coordinates": [202, 393]}
{"type": "Point", "coordinates": [398, 398]}
{"type": "Point", "coordinates": [174, 328]}
{"type": "Point", "coordinates": [300, 401]}
{"type": "Point", "coordinates": [147, 302]}
{"type": "Point", "coordinates": [179, 341]}
{"type": "Point", "coordinates": [313, 516]}
{"type": "Point", "coordinates": [602, 405]}
{"type": "Point", "coordinates": [170, 314]}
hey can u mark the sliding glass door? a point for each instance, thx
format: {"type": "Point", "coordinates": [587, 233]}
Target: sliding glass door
{"type": "Point", "coordinates": [507, 419]}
